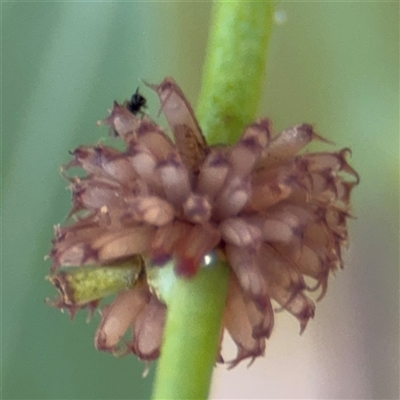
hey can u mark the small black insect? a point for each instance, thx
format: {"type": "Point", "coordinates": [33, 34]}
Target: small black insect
{"type": "Point", "coordinates": [136, 103]}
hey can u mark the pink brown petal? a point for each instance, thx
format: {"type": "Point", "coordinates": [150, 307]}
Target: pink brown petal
{"type": "Point", "coordinates": [279, 270]}
{"type": "Point", "coordinates": [344, 190]}
{"type": "Point", "coordinates": [104, 162]}
{"type": "Point", "coordinates": [165, 239]}
{"type": "Point", "coordinates": [285, 284]}
{"type": "Point", "coordinates": [289, 142]}
{"type": "Point", "coordinates": [154, 139]}
{"type": "Point", "coordinates": [284, 227]}
{"type": "Point", "coordinates": [301, 306]}
{"type": "Point", "coordinates": [244, 155]}
{"type": "Point", "coordinates": [213, 173]}
{"type": "Point", "coordinates": [314, 265]}
{"type": "Point", "coordinates": [189, 139]}
{"type": "Point", "coordinates": [148, 330]}
{"type": "Point", "coordinates": [244, 264]}
{"type": "Point", "coordinates": [72, 309]}
{"type": "Point", "coordinates": [122, 121]}
{"type": "Point", "coordinates": [175, 180]}
{"type": "Point", "coordinates": [197, 209]}
{"type": "Point", "coordinates": [70, 254]}
{"type": "Point", "coordinates": [116, 165]}
{"type": "Point", "coordinates": [71, 246]}
{"type": "Point", "coordinates": [123, 243]}
{"type": "Point", "coordinates": [240, 233]}
{"type": "Point", "coordinates": [93, 194]}
{"type": "Point", "coordinates": [318, 162]}
{"type": "Point", "coordinates": [119, 316]}
{"type": "Point", "coordinates": [259, 133]}
{"type": "Point", "coordinates": [271, 186]}
{"type": "Point", "coordinates": [238, 325]}
{"type": "Point", "coordinates": [152, 210]}
{"type": "Point", "coordinates": [145, 165]}
{"type": "Point", "coordinates": [232, 198]}
{"type": "Point", "coordinates": [192, 248]}
{"type": "Point", "coordinates": [261, 321]}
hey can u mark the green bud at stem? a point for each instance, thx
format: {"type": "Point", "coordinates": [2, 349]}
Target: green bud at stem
{"type": "Point", "coordinates": [81, 285]}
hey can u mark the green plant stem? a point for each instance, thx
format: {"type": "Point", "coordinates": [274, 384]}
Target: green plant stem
{"type": "Point", "coordinates": [192, 335]}
{"type": "Point", "coordinates": [232, 82]}
{"type": "Point", "coordinates": [234, 69]}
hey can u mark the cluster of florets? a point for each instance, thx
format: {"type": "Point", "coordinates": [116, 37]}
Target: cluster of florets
{"type": "Point", "coordinates": [275, 216]}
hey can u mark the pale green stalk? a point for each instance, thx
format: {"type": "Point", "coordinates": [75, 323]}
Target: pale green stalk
{"type": "Point", "coordinates": [233, 75]}
{"type": "Point", "coordinates": [234, 69]}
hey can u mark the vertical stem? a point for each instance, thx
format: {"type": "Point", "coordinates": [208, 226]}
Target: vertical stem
{"type": "Point", "coordinates": [232, 81]}
{"type": "Point", "coordinates": [235, 68]}
{"type": "Point", "coordinates": [192, 335]}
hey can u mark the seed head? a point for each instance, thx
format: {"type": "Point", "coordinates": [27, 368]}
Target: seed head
{"type": "Point", "coordinates": [276, 215]}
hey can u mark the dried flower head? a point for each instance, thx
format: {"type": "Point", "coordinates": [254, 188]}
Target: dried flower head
{"type": "Point", "coordinates": [277, 216]}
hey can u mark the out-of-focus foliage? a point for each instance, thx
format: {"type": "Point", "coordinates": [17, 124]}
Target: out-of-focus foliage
{"type": "Point", "coordinates": [334, 64]}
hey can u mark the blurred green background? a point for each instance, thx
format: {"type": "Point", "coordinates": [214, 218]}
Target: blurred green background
{"type": "Point", "coordinates": [332, 64]}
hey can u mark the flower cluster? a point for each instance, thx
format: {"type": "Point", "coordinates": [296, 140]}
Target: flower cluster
{"type": "Point", "coordinates": [276, 216]}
